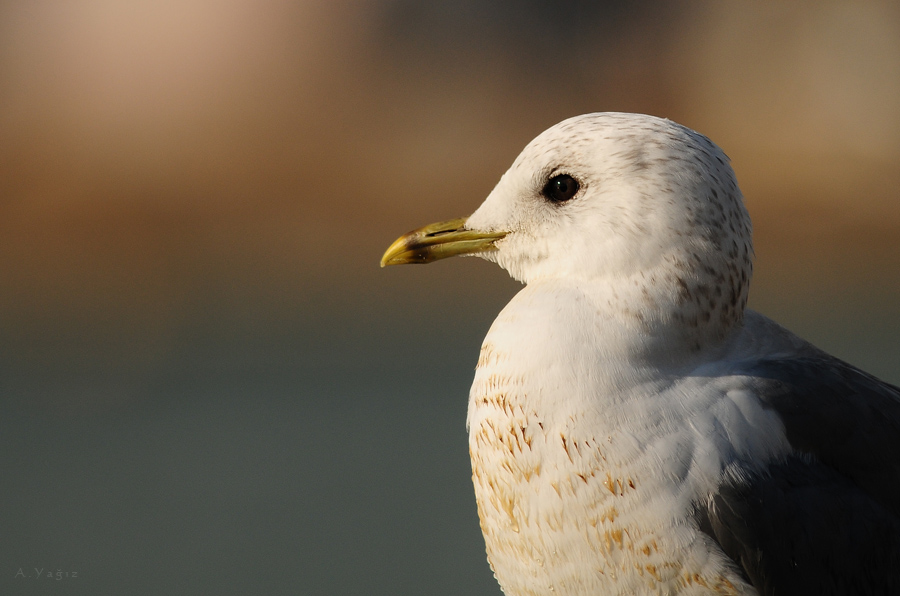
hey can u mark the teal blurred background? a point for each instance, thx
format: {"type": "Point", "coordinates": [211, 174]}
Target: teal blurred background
{"type": "Point", "coordinates": [207, 385]}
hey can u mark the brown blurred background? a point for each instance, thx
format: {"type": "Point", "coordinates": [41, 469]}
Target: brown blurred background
{"type": "Point", "coordinates": [207, 384]}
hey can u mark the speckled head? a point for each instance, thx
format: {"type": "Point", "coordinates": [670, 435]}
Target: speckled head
{"type": "Point", "coordinates": [655, 206]}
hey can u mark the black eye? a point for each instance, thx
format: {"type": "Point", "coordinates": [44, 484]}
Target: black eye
{"type": "Point", "coordinates": [560, 189]}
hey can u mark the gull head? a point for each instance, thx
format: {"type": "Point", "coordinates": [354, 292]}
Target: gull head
{"type": "Point", "coordinates": [639, 205]}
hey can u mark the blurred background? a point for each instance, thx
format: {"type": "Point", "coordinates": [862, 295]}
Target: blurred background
{"type": "Point", "coordinates": [207, 385]}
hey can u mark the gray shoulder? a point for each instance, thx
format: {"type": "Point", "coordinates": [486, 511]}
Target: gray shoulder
{"type": "Point", "coordinates": [845, 418]}
{"type": "Point", "coordinates": [826, 519]}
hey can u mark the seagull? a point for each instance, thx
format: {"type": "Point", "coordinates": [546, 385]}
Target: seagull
{"type": "Point", "coordinates": [633, 428]}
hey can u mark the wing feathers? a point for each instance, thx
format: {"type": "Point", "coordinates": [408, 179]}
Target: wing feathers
{"type": "Point", "coordinates": [827, 519]}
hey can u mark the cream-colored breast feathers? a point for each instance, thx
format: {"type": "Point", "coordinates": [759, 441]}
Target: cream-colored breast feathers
{"type": "Point", "coordinates": [585, 467]}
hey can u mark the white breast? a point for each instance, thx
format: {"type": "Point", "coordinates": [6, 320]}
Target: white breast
{"type": "Point", "coordinates": [586, 459]}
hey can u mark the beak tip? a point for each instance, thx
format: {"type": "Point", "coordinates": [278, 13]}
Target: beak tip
{"type": "Point", "coordinates": [389, 258]}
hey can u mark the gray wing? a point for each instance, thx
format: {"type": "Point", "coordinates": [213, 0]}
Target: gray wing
{"type": "Point", "coordinates": [827, 519]}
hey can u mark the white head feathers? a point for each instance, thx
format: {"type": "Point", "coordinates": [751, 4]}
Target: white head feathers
{"type": "Point", "coordinates": [657, 212]}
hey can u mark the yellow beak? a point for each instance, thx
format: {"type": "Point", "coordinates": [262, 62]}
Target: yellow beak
{"type": "Point", "coordinates": [439, 241]}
